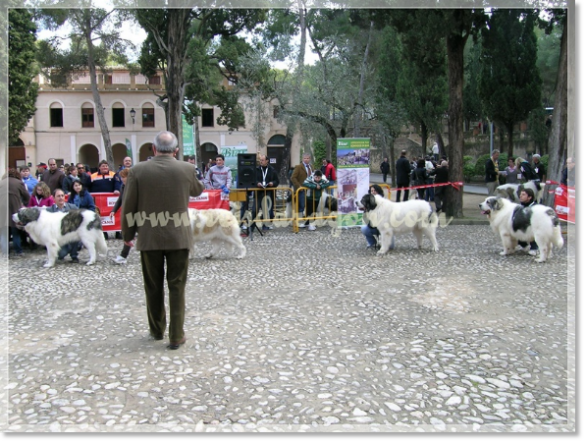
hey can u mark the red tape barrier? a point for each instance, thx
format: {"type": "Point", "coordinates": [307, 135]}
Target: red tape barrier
{"type": "Point", "coordinates": [456, 185]}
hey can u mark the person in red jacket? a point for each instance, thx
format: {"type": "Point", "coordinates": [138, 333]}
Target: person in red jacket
{"type": "Point", "coordinates": [330, 175]}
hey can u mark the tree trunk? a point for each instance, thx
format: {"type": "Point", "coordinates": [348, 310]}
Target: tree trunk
{"type": "Point", "coordinates": [440, 144]}
{"type": "Point", "coordinates": [455, 53]}
{"type": "Point", "coordinates": [510, 128]}
{"type": "Point", "coordinates": [176, 42]}
{"type": "Point", "coordinates": [424, 135]}
{"type": "Point", "coordinates": [98, 100]}
{"type": "Point", "coordinates": [197, 143]}
{"type": "Point", "coordinates": [358, 106]}
{"type": "Point", "coordinates": [559, 148]}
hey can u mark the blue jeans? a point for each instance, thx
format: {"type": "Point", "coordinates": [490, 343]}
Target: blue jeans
{"type": "Point", "coordinates": [70, 248]}
{"type": "Point", "coordinates": [301, 199]}
{"type": "Point", "coordinates": [16, 242]}
{"type": "Point", "coordinates": [369, 233]}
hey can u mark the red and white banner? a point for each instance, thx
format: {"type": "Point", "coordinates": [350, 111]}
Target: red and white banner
{"type": "Point", "coordinates": [105, 201]}
{"type": "Point", "coordinates": [210, 199]}
{"type": "Point", "coordinates": [565, 203]}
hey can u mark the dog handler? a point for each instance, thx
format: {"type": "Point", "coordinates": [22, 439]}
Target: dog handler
{"type": "Point", "coordinates": [157, 191]}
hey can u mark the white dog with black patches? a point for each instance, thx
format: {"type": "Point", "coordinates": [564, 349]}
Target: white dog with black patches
{"type": "Point", "coordinates": [55, 229]}
{"type": "Point", "coordinates": [512, 191]}
{"type": "Point", "coordinates": [219, 226]}
{"type": "Point", "coordinates": [513, 223]}
{"type": "Point", "coordinates": [392, 218]}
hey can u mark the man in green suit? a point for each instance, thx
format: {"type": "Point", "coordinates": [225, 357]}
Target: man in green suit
{"type": "Point", "coordinates": [155, 206]}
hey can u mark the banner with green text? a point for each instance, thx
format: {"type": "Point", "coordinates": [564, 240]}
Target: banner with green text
{"type": "Point", "coordinates": [353, 178]}
{"type": "Point", "coordinates": [231, 158]}
{"type": "Point", "coordinates": [188, 144]}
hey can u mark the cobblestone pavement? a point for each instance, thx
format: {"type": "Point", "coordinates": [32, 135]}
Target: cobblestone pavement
{"type": "Point", "coordinates": [310, 332]}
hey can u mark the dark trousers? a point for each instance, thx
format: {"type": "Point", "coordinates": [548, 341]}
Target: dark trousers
{"type": "Point", "coordinates": [385, 176]}
{"type": "Point", "coordinates": [257, 205]}
{"type": "Point", "coordinates": [310, 207]}
{"type": "Point", "coordinates": [406, 195]}
{"type": "Point", "coordinates": [440, 197]}
{"type": "Point", "coordinates": [153, 272]}
{"type": "Point", "coordinates": [125, 251]}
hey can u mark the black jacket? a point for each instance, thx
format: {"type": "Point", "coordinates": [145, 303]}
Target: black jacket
{"type": "Point", "coordinates": [441, 175]}
{"type": "Point", "coordinates": [403, 167]}
{"type": "Point", "coordinates": [271, 176]}
{"type": "Point", "coordinates": [385, 167]}
{"type": "Point", "coordinates": [489, 171]}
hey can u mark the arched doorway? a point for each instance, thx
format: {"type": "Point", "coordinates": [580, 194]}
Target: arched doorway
{"type": "Point", "coordinates": [207, 151]}
{"type": "Point", "coordinates": [17, 155]}
{"type": "Point", "coordinates": [119, 152]}
{"type": "Point", "coordinates": [145, 151]}
{"type": "Point", "coordinates": [89, 155]}
{"type": "Point", "coordinates": [275, 148]}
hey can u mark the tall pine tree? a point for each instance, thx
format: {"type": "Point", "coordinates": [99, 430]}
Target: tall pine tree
{"type": "Point", "coordinates": [22, 92]}
{"type": "Point", "coordinates": [510, 84]}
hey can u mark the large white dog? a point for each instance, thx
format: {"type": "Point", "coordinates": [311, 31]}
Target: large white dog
{"type": "Point", "coordinates": [392, 218]}
{"type": "Point", "coordinates": [55, 229]}
{"type": "Point", "coordinates": [218, 226]}
{"type": "Point", "coordinates": [512, 191]}
{"type": "Point", "coordinates": [513, 223]}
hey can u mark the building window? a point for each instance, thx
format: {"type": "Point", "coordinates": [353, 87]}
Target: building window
{"type": "Point", "coordinates": [207, 117]}
{"type": "Point", "coordinates": [148, 117]}
{"type": "Point", "coordinates": [276, 111]}
{"type": "Point", "coordinates": [107, 79]}
{"type": "Point", "coordinates": [56, 117]}
{"type": "Point", "coordinates": [87, 117]}
{"type": "Point", "coordinates": [155, 80]}
{"type": "Point", "coordinates": [117, 117]}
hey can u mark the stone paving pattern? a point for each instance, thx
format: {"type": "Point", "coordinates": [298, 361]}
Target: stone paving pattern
{"type": "Point", "coordinates": [310, 332]}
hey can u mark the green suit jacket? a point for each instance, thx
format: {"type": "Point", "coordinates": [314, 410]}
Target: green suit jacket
{"type": "Point", "coordinates": [156, 197]}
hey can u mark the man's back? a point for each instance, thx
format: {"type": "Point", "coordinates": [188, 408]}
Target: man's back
{"type": "Point", "coordinates": [156, 198]}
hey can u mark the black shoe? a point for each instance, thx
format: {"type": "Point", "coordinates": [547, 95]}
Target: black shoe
{"type": "Point", "coordinates": [176, 345]}
{"type": "Point", "coordinates": [75, 260]}
{"type": "Point", "coordinates": [155, 337]}
{"type": "Point", "coordinates": [118, 235]}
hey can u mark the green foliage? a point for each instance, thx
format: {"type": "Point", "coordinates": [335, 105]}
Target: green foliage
{"type": "Point", "coordinates": [509, 84]}
{"type": "Point", "coordinates": [469, 167]}
{"type": "Point", "coordinates": [23, 92]}
{"type": "Point", "coordinates": [472, 103]}
{"type": "Point", "coordinates": [548, 56]}
{"type": "Point", "coordinates": [319, 153]}
{"type": "Point", "coordinates": [544, 161]}
{"type": "Point", "coordinates": [480, 164]}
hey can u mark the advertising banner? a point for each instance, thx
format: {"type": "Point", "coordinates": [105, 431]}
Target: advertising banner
{"type": "Point", "coordinates": [188, 144]}
{"type": "Point", "coordinates": [565, 203]}
{"type": "Point", "coordinates": [128, 148]}
{"type": "Point", "coordinates": [105, 201]}
{"type": "Point", "coordinates": [210, 199]}
{"type": "Point", "coordinates": [230, 154]}
{"type": "Point", "coordinates": [353, 178]}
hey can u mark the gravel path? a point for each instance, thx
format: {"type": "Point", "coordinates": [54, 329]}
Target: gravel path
{"type": "Point", "coordinates": [310, 332]}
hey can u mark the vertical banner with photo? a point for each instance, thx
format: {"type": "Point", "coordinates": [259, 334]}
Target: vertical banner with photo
{"type": "Point", "coordinates": [353, 178]}
{"type": "Point", "coordinates": [231, 157]}
{"type": "Point", "coordinates": [188, 144]}
{"type": "Point", "coordinates": [128, 148]}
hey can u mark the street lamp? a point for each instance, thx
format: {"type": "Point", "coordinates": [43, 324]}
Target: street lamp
{"type": "Point", "coordinates": [132, 114]}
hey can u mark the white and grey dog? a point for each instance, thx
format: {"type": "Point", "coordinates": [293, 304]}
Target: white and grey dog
{"type": "Point", "coordinates": [219, 226]}
{"type": "Point", "coordinates": [392, 218]}
{"type": "Point", "coordinates": [513, 223]}
{"type": "Point", "coordinates": [55, 229]}
{"type": "Point", "coordinates": [512, 191]}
